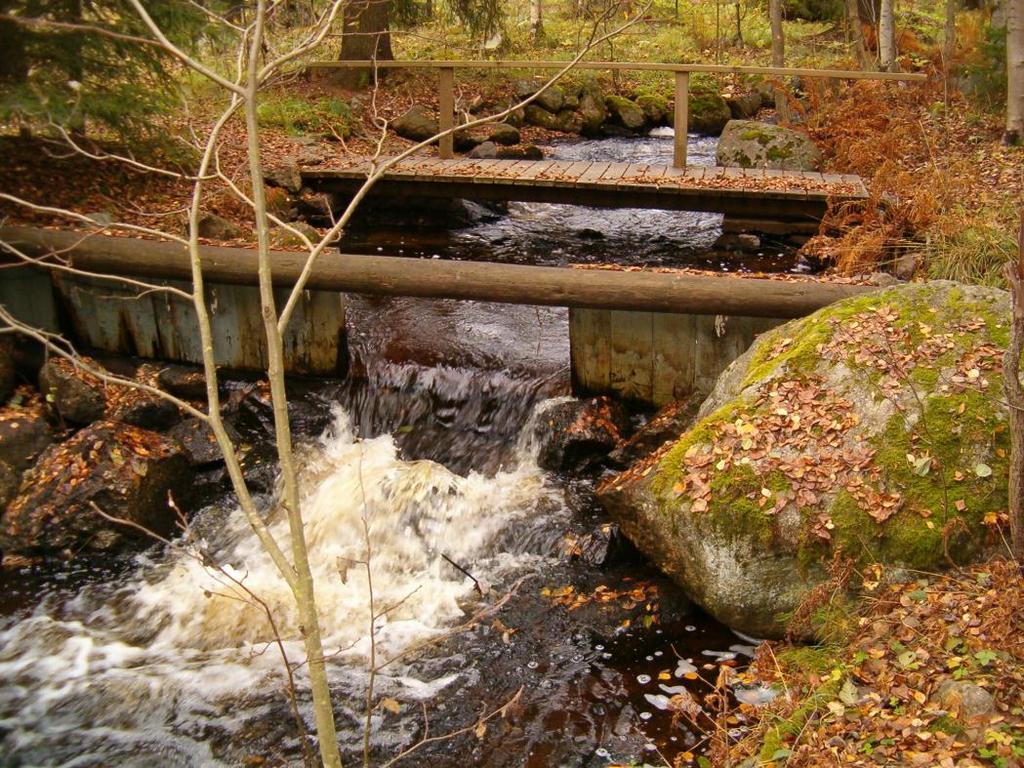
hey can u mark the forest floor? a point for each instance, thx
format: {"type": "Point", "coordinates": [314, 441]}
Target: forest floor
{"type": "Point", "coordinates": [926, 672]}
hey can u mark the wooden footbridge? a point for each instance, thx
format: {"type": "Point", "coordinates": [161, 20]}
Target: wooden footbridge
{"type": "Point", "coordinates": [747, 193]}
{"type": "Point", "coordinates": [753, 194]}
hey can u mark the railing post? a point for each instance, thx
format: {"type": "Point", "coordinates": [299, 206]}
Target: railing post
{"type": "Point", "coordinates": [682, 118]}
{"type": "Point", "coordinates": [446, 110]}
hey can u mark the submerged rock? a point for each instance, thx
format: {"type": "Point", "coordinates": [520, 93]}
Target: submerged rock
{"type": "Point", "coordinates": [874, 427]}
{"type": "Point", "coordinates": [125, 471]}
{"type": "Point", "coordinates": [574, 433]}
{"type": "Point", "coordinates": [750, 144]}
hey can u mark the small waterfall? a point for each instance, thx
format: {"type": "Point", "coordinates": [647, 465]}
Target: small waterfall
{"type": "Point", "coordinates": [143, 667]}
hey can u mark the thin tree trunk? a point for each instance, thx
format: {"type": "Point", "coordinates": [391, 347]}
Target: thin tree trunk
{"type": "Point", "coordinates": [778, 56]}
{"type": "Point", "coordinates": [536, 20]}
{"type": "Point", "coordinates": [1015, 397]}
{"type": "Point", "coordinates": [887, 37]}
{"type": "Point", "coordinates": [949, 33]}
{"type": "Point", "coordinates": [1014, 72]}
{"type": "Point", "coordinates": [303, 590]}
{"type": "Point", "coordinates": [857, 33]}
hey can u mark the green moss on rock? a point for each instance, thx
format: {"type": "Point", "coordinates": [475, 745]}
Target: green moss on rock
{"type": "Point", "coordinates": [889, 401]}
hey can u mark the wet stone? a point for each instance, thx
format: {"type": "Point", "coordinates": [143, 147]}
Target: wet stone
{"type": "Point", "coordinates": [7, 369]}
{"type": "Point", "coordinates": [667, 424]}
{"type": "Point", "coordinates": [10, 480]}
{"type": "Point", "coordinates": [76, 395]}
{"type": "Point", "coordinates": [198, 441]}
{"type": "Point", "coordinates": [123, 470]}
{"type": "Point", "coordinates": [24, 430]}
{"type": "Point", "coordinates": [183, 381]}
{"type": "Point", "coordinates": [574, 434]}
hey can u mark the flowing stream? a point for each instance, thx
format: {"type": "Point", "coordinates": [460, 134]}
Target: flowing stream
{"type": "Point", "coordinates": [425, 461]}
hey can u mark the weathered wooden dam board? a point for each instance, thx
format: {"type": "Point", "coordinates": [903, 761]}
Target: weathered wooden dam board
{"type": "Point", "coordinates": [753, 193]}
{"type": "Point", "coordinates": [650, 336]}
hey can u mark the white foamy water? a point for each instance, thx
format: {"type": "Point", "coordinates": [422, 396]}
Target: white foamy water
{"type": "Point", "coordinates": [132, 671]}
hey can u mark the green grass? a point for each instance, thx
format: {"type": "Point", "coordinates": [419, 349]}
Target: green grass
{"type": "Point", "coordinates": [298, 116]}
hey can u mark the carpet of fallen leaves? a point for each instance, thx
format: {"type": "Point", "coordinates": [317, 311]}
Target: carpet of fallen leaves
{"type": "Point", "coordinates": [933, 164]}
{"type": "Point", "coordinates": [882, 696]}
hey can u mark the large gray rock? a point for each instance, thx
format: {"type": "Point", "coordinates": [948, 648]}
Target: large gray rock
{"type": "Point", "coordinates": [285, 175]}
{"type": "Point", "coordinates": [966, 699]}
{"type": "Point", "coordinates": [125, 471]}
{"type": "Point", "coordinates": [416, 124]}
{"type": "Point", "coordinates": [870, 426]}
{"type": "Point", "coordinates": [750, 144]}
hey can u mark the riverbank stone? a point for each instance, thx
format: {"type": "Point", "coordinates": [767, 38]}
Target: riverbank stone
{"type": "Point", "coordinates": [592, 108]}
{"type": "Point", "coordinates": [415, 124]}
{"type": "Point", "coordinates": [709, 113]}
{"type": "Point", "coordinates": [76, 395]}
{"type": "Point", "coordinates": [217, 227]}
{"type": "Point", "coordinates": [125, 471]}
{"type": "Point", "coordinates": [751, 144]}
{"type": "Point", "coordinates": [504, 134]}
{"type": "Point", "coordinates": [625, 112]}
{"type": "Point", "coordinates": [873, 429]}
{"type": "Point", "coordinates": [24, 430]}
{"type": "Point", "coordinates": [540, 117]}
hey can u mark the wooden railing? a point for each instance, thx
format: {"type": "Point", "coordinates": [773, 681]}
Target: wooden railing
{"type": "Point", "coordinates": [446, 83]}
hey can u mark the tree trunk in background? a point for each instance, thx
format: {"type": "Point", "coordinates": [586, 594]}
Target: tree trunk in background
{"type": "Point", "coordinates": [13, 64]}
{"type": "Point", "coordinates": [1014, 72]}
{"type": "Point", "coordinates": [778, 56]}
{"type": "Point", "coordinates": [949, 35]}
{"type": "Point", "coordinates": [536, 20]}
{"type": "Point", "coordinates": [857, 33]}
{"type": "Point", "coordinates": [365, 35]}
{"type": "Point", "coordinates": [887, 37]}
{"type": "Point", "coordinates": [1014, 273]}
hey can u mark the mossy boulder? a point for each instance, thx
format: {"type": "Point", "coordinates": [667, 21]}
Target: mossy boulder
{"type": "Point", "coordinates": [536, 115]}
{"type": "Point", "coordinates": [592, 107]}
{"type": "Point", "coordinates": [625, 112]}
{"type": "Point", "coordinates": [709, 113]}
{"type": "Point", "coordinates": [750, 144]}
{"type": "Point", "coordinates": [655, 108]}
{"type": "Point", "coordinates": [872, 431]}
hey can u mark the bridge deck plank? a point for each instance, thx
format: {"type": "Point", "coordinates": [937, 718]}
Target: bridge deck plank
{"type": "Point", "coordinates": [772, 192]}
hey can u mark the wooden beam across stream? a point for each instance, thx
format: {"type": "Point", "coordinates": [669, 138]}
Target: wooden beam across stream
{"type": "Point", "coordinates": [649, 336]}
{"type": "Point", "coordinates": [672, 292]}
